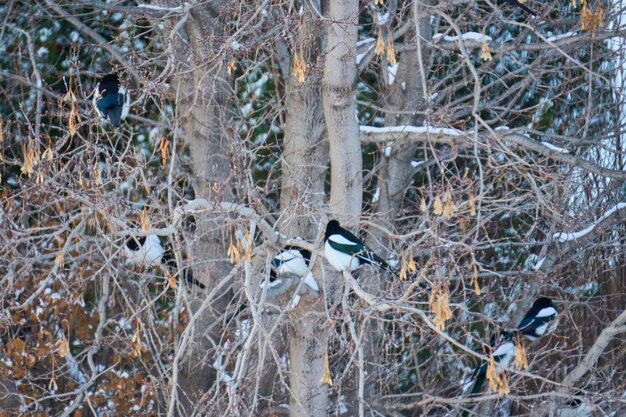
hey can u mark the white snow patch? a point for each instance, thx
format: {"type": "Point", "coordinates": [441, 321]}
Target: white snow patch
{"type": "Point", "coordinates": [561, 36]}
{"type": "Point", "coordinates": [469, 36]}
{"type": "Point", "coordinates": [554, 147]}
{"type": "Point", "coordinates": [415, 164]}
{"type": "Point", "coordinates": [160, 8]}
{"type": "Point", "coordinates": [564, 236]}
{"type": "Point", "coordinates": [412, 129]}
{"type": "Point", "coordinates": [501, 128]}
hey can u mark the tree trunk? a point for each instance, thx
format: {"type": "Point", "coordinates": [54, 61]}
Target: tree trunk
{"type": "Point", "coordinates": [346, 163]}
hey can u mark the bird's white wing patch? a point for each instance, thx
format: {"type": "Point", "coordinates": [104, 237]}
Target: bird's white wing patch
{"type": "Point", "coordinates": [126, 105]}
{"type": "Point", "coordinates": [94, 100]}
{"type": "Point", "coordinates": [341, 240]}
{"type": "Point", "coordinates": [505, 349]}
{"type": "Point", "coordinates": [548, 311]}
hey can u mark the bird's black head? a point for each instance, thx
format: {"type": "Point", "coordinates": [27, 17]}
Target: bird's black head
{"type": "Point", "coordinates": [543, 302]}
{"type": "Point", "coordinates": [332, 228]}
{"type": "Point", "coordinates": [306, 254]}
{"type": "Point", "coordinates": [109, 84]}
{"type": "Point", "coordinates": [135, 243]}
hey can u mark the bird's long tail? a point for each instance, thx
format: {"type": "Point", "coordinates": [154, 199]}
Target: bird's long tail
{"type": "Point", "coordinates": [169, 260]}
{"type": "Point", "coordinates": [525, 8]}
{"type": "Point", "coordinates": [480, 373]}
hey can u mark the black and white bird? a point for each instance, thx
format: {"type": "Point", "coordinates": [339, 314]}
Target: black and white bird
{"type": "Point", "coordinates": [148, 251]}
{"type": "Point", "coordinates": [539, 320]}
{"type": "Point", "coordinates": [517, 3]}
{"type": "Point", "coordinates": [503, 348]}
{"type": "Point", "coordinates": [144, 250]}
{"type": "Point", "coordinates": [346, 252]}
{"type": "Point", "coordinates": [293, 260]}
{"type": "Point", "coordinates": [110, 100]}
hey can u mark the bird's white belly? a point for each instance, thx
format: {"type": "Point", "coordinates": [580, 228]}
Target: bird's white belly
{"type": "Point", "coordinates": [339, 260]}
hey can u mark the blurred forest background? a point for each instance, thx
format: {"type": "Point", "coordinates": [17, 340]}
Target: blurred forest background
{"type": "Point", "coordinates": [477, 145]}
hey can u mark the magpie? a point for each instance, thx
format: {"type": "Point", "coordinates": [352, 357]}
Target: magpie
{"type": "Point", "coordinates": [539, 320]}
{"type": "Point", "coordinates": [148, 251]}
{"type": "Point", "coordinates": [346, 252]}
{"type": "Point", "coordinates": [144, 250]}
{"type": "Point", "coordinates": [294, 260]}
{"type": "Point", "coordinates": [503, 352]}
{"type": "Point", "coordinates": [517, 4]}
{"type": "Point", "coordinates": [110, 100]}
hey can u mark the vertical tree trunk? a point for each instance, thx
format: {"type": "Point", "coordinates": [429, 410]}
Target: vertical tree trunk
{"type": "Point", "coordinates": [201, 103]}
{"type": "Point", "coordinates": [305, 157]}
{"type": "Point", "coordinates": [346, 162]}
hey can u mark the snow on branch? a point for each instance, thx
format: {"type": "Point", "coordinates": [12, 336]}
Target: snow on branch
{"type": "Point", "coordinates": [564, 236]}
{"type": "Point", "coordinates": [161, 8]}
{"type": "Point", "coordinates": [370, 134]}
{"type": "Point", "coordinates": [561, 36]}
{"type": "Point", "coordinates": [554, 147]}
{"type": "Point", "coordinates": [469, 36]}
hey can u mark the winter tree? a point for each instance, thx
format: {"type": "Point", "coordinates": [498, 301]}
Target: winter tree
{"type": "Point", "coordinates": [473, 145]}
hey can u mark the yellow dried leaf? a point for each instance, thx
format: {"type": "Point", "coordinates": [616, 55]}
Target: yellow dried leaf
{"type": "Point", "coordinates": [28, 166]}
{"type": "Point", "coordinates": [485, 53]}
{"type": "Point", "coordinates": [136, 343]}
{"type": "Point", "coordinates": [472, 203]}
{"type": "Point", "coordinates": [438, 206]}
{"type": "Point", "coordinates": [403, 270]}
{"type": "Point", "coordinates": [326, 377]}
{"type": "Point", "coordinates": [521, 361]}
{"type": "Point", "coordinates": [391, 52]}
{"type": "Point", "coordinates": [423, 205]}
{"type": "Point", "coordinates": [172, 281]}
{"type": "Point", "coordinates": [145, 222]}
{"type": "Point", "coordinates": [74, 119]}
{"type": "Point", "coordinates": [63, 347]}
{"type": "Point", "coordinates": [299, 66]}
{"type": "Point", "coordinates": [58, 260]}
{"type": "Point", "coordinates": [574, 4]}
{"type": "Point", "coordinates": [47, 154]}
{"type": "Point", "coordinates": [497, 382]}
{"type": "Point", "coordinates": [599, 17]}
{"type": "Point", "coordinates": [39, 179]}
{"type": "Point", "coordinates": [231, 66]}
{"type": "Point", "coordinates": [378, 2]}
{"type": "Point", "coordinates": [440, 305]}
{"type": "Point", "coordinates": [448, 209]}
{"type": "Point", "coordinates": [96, 173]}
{"type": "Point", "coordinates": [164, 149]}
{"type": "Point", "coordinates": [380, 44]}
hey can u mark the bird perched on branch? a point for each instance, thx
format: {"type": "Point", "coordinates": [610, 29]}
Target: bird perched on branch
{"type": "Point", "coordinates": [539, 320]}
{"type": "Point", "coordinates": [293, 260]}
{"type": "Point", "coordinates": [346, 252]}
{"type": "Point", "coordinates": [517, 4]}
{"type": "Point", "coordinates": [148, 251]}
{"type": "Point", "coordinates": [503, 352]}
{"type": "Point", "coordinates": [110, 100]}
